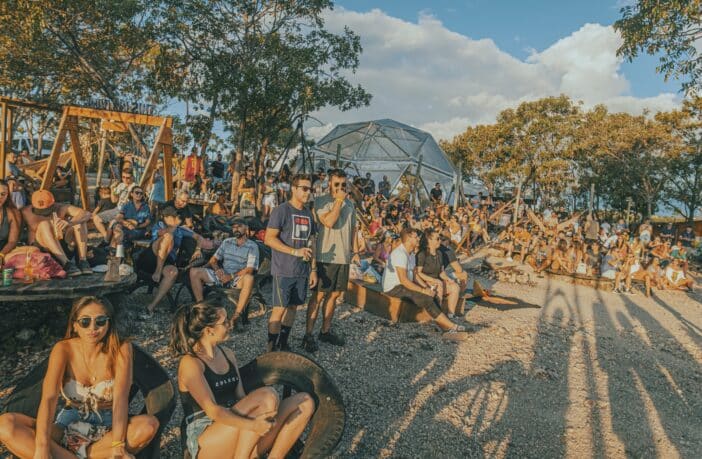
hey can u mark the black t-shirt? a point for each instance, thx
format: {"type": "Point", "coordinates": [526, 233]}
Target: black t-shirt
{"type": "Point", "coordinates": [448, 255]}
{"type": "Point", "coordinates": [184, 212]}
{"type": "Point", "coordinates": [106, 204]}
{"type": "Point", "coordinates": [436, 194]}
{"type": "Point", "coordinates": [217, 169]}
{"type": "Point", "coordinates": [431, 264]}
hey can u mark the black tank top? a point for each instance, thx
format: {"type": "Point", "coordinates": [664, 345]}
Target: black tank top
{"type": "Point", "coordinates": [223, 388]}
{"type": "Point", "coordinates": [4, 227]}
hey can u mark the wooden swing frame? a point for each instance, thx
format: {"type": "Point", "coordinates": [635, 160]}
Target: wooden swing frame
{"type": "Point", "coordinates": [112, 121]}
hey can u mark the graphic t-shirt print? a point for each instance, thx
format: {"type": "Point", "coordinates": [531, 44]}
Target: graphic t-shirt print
{"type": "Point", "coordinates": [302, 227]}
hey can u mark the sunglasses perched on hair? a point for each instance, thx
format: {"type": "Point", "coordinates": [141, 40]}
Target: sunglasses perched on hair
{"type": "Point", "coordinates": [85, 322]}
{"type": "Point", "coordinates": [304, 188]}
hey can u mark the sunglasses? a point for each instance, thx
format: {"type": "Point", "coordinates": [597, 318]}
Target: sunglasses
{"type": "Point", "coordinates": [342, 185]}
{"type": "Point", "coordinates": [85, 322]}
{"type": "Point", "coordinates": [138, 193]}
{"type": "Point", "coordinates": [305, 189]}
{"type": "Point", "coordinates": [126, 177]}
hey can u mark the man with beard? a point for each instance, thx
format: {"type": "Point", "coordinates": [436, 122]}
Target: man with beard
{"type": "Point", "coordinates": [238, 257]}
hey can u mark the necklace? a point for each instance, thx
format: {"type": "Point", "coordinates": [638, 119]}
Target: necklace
{"type": "Point", "coordinates": [93, 378]}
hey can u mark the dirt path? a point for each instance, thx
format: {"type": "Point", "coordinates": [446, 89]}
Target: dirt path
{"type": "Point", "coordinates": [589, 374]}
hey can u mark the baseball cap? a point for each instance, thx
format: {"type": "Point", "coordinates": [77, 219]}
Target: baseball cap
{"type": "Point", "coordinates": [43, 202]}
{"type": "Point", "coordinates": [240, 221]}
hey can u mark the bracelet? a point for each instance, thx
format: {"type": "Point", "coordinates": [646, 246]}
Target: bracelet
{"type": "Point", "coordinates": [294, 252]}
{"type": "Point", "coordinates": [118, 444]}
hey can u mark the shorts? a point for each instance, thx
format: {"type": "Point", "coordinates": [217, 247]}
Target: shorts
{"type": "Point", "coordinates": [69, 251]}
{"type": "Point", "coordinates": [79, 432]}
{"type": "Point", "coordinates": [332, 277]}
{"type": "Point", "coordinates": [196, 425]}
{"type": "Point", "coordinates": [270, 200]}
{"type": "Point", "coordinates": [134, 234]}
{"type": "Point", "coordinates": [289, 291]}
{"type": "Point", "coordinates": [146, 262]}
{"type": "Point", "coordinates": [214, 281]}
{"type": "Point", "coordinates": [108, 216]}
{"type": "Point", "coordinates": [609, 274]}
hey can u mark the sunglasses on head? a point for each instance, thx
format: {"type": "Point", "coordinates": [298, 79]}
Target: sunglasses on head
{"type": "Point", "coordinates": [85, 322]}
{"type": "Point", "coordinates": [306, 189]}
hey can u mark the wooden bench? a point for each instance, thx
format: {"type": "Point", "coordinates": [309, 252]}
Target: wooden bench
{"type": "Point", "coordinates": [371, 298]}
{"type": "Point", "coordinates": [596, 282]}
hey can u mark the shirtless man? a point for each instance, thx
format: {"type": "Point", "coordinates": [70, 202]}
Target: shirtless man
{"type": "Point", "coordinates": [62, 236]}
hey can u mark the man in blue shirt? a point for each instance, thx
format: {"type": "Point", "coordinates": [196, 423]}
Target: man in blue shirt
{"type": "Point", "coordinates": [238, 257]}
{"type": "Point", "coordinates": [159, 259]}
{"type": "Point", "coordinates": [290, 236]}
{"type": "Point", "coordinates": [133, 220]}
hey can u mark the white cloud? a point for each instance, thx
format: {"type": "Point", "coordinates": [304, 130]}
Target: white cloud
{"type": "Point", "coordinates": [428, 76]}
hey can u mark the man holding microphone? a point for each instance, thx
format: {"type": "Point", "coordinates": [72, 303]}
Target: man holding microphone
{"type": "Point", "coordinates": [336, 249]}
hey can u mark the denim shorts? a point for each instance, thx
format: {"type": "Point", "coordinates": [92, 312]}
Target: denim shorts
{"type": "Point", "coordinates": [196, 424]}
{"type": "Point", "coordinates": [68, 416]}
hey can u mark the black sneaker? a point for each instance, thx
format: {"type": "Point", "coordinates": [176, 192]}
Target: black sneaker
{"type": "Point", "coordinates": [331, 338]}
{"type": "Point", "coordinates": [71, 269]}
{"type": "Point", "coordinates": [309, 344]}
{"type": "Point", "coordinates": [84, 267]}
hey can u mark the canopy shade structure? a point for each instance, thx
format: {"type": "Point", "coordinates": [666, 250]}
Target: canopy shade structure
{"type": "Point", "coordinates": [387, 147]}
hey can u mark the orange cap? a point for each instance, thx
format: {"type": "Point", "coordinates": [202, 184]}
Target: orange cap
{"type": "Point", "coordinates": [42, 199]}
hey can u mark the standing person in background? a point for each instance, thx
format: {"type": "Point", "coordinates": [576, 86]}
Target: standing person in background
{"type": "Point", "coordinates": [336, 249]}
{"type": "Point", "coordinates": [290, 236]}
{"type": "Point", "coordinates": [192, 168]}
{"type": "Point", "coordinates": [218, 169]}
{"type": "Point", "coordinates": [157, 196]}
{"type": "Point", "coordinates": [436, 194]}
{"type": "Point", "coordinates": [384, 187]}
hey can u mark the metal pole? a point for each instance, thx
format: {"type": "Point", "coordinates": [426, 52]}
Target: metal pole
{"type": "Point", "coordinates": [338, 156]}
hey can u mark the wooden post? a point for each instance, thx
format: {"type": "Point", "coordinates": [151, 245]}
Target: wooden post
{"type": "Point", "coordinates": [78, 162]}
{"type": "Point", "coordinates": [163, 137]}
{"type": "Point", "coordinates": [101, 158]}
{"type": "Point", "coordinates": [3, 139]}
{"type": "Point", "coordinates": [168, 170]}
{"type": "Point", "coordinates": [338, 156]}
{"type": "Point", "coordinates": [592, 198]}
{"type": "Point", "coordinates": [458, 185]}
{"type": "Point", "coordinates": [516, 204]}
{"type": "Point", "coordinates": [55, 152]}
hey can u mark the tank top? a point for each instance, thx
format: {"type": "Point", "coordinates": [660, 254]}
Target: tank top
{"type": "Point", "coordinates": [4, 228]}
{"type": "Point", "coordinates": [223, 387]}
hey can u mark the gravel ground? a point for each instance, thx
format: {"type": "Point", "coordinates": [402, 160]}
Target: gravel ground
{"type": "Point", "coordinates": [589, 374]}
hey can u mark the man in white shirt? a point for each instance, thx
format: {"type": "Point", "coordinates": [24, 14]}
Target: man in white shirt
{"type": "Point", "coordinates": [399, 281]}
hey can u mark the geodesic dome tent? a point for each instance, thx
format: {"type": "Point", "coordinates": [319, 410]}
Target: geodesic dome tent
{"type": "Point", "coordinates": [387, 147]}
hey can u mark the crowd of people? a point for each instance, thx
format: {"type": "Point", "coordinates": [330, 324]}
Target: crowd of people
{"type": "Point", "coordinates": [317, 231]}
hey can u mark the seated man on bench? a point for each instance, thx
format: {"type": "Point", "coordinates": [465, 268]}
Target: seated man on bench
{"type": "Point", "coordinates": [399, 281]}
{"type": "Point", "coordinates": [60, 229]}
{"type": "Point", "coordinates": [239, 258]}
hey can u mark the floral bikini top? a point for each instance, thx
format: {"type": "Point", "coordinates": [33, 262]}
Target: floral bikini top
{"type": "Point", "coordinates": [87, 399]}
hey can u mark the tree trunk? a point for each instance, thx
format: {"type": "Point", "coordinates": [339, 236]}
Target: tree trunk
{"type": "Point", "coordinates": [204, 142]}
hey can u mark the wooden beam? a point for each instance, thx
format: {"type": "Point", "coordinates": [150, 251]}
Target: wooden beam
{"type": "Point", "coordinates": [150, 165]}
{"type": "Point", "coordinates": [101, 158]}
{"type": "Point", "coordinates": [122, 117]}
{"type": "Point", "coordinates": [168, 170]}
{"type": "Point", "coordinates": [55, 152]}
{"type": "Point", "coordinates": [113, 126]}
{"type": "Point", "coordinates": [13, 102]}
{"type": "Point", "coordinates": [3, 138]}
{"type": "Point", "coordinates": [78, 163]}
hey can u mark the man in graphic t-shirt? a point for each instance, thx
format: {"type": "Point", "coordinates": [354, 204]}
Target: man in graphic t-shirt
{"type": "Point", "coordinates": [293, 266]}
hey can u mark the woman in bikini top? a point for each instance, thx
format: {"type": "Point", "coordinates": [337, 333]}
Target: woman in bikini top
{"type": "Point", "coordinates": [92, 369]}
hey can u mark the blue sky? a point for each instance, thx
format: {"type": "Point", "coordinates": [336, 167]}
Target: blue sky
{"type": "Point", "coordinates": [518, 27]}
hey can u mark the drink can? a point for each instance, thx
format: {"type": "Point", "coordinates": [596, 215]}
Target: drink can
{"type": "Point", "coordinates": [7, 276]}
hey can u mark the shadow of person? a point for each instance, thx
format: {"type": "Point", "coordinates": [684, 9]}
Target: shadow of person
{"type": "Point", "coordinates": [654, 395]}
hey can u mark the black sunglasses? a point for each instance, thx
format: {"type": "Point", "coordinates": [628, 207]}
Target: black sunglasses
{"type": "Point", "coordinates": [100, 321]}
{"type": "Point", "coordinates": [138, 192]}
{"type": "Point", "coordinates": [304, 188]}
{"type": "Point", "coordinates": [342, 185]}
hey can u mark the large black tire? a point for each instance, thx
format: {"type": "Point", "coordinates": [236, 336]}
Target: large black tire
{"type": "Point", "coordinates": [149, 378]}
{"type": "Point", "coordinates": [303, 375]}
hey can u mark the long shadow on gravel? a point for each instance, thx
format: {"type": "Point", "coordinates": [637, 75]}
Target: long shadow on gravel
{"type": "Point", "coordinates": [508, 410]}
{"type": "Point", "coordinates": [653, 381]}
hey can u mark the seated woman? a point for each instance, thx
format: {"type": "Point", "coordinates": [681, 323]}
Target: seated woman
{"type": "Point", "coordinates": [560, 261]}
{"type": "Point", "coordinates": [429, 271]}
{"type": "Point", "coordinates": [133, 220]}
{"type": "Point", "coordinates": [382, 252]}
{"type": "Point", "coordinates": [637, 272]}
{"type": "Point", "coordinates": [675, 277]}
{"type": "Point", "coordinates": [91, 368]}
{"type": "Point", "coordinates": [10, 221]}
{"type": "Point", "coordinates": [221, 419]}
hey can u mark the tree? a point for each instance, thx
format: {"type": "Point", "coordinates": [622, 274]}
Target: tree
{"type": "Point", "coordinates": [71, 51]}
{"type": "Point", "coordinates": [672, 28]}
{"type": "Point", "coordinates": [683, 192]}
